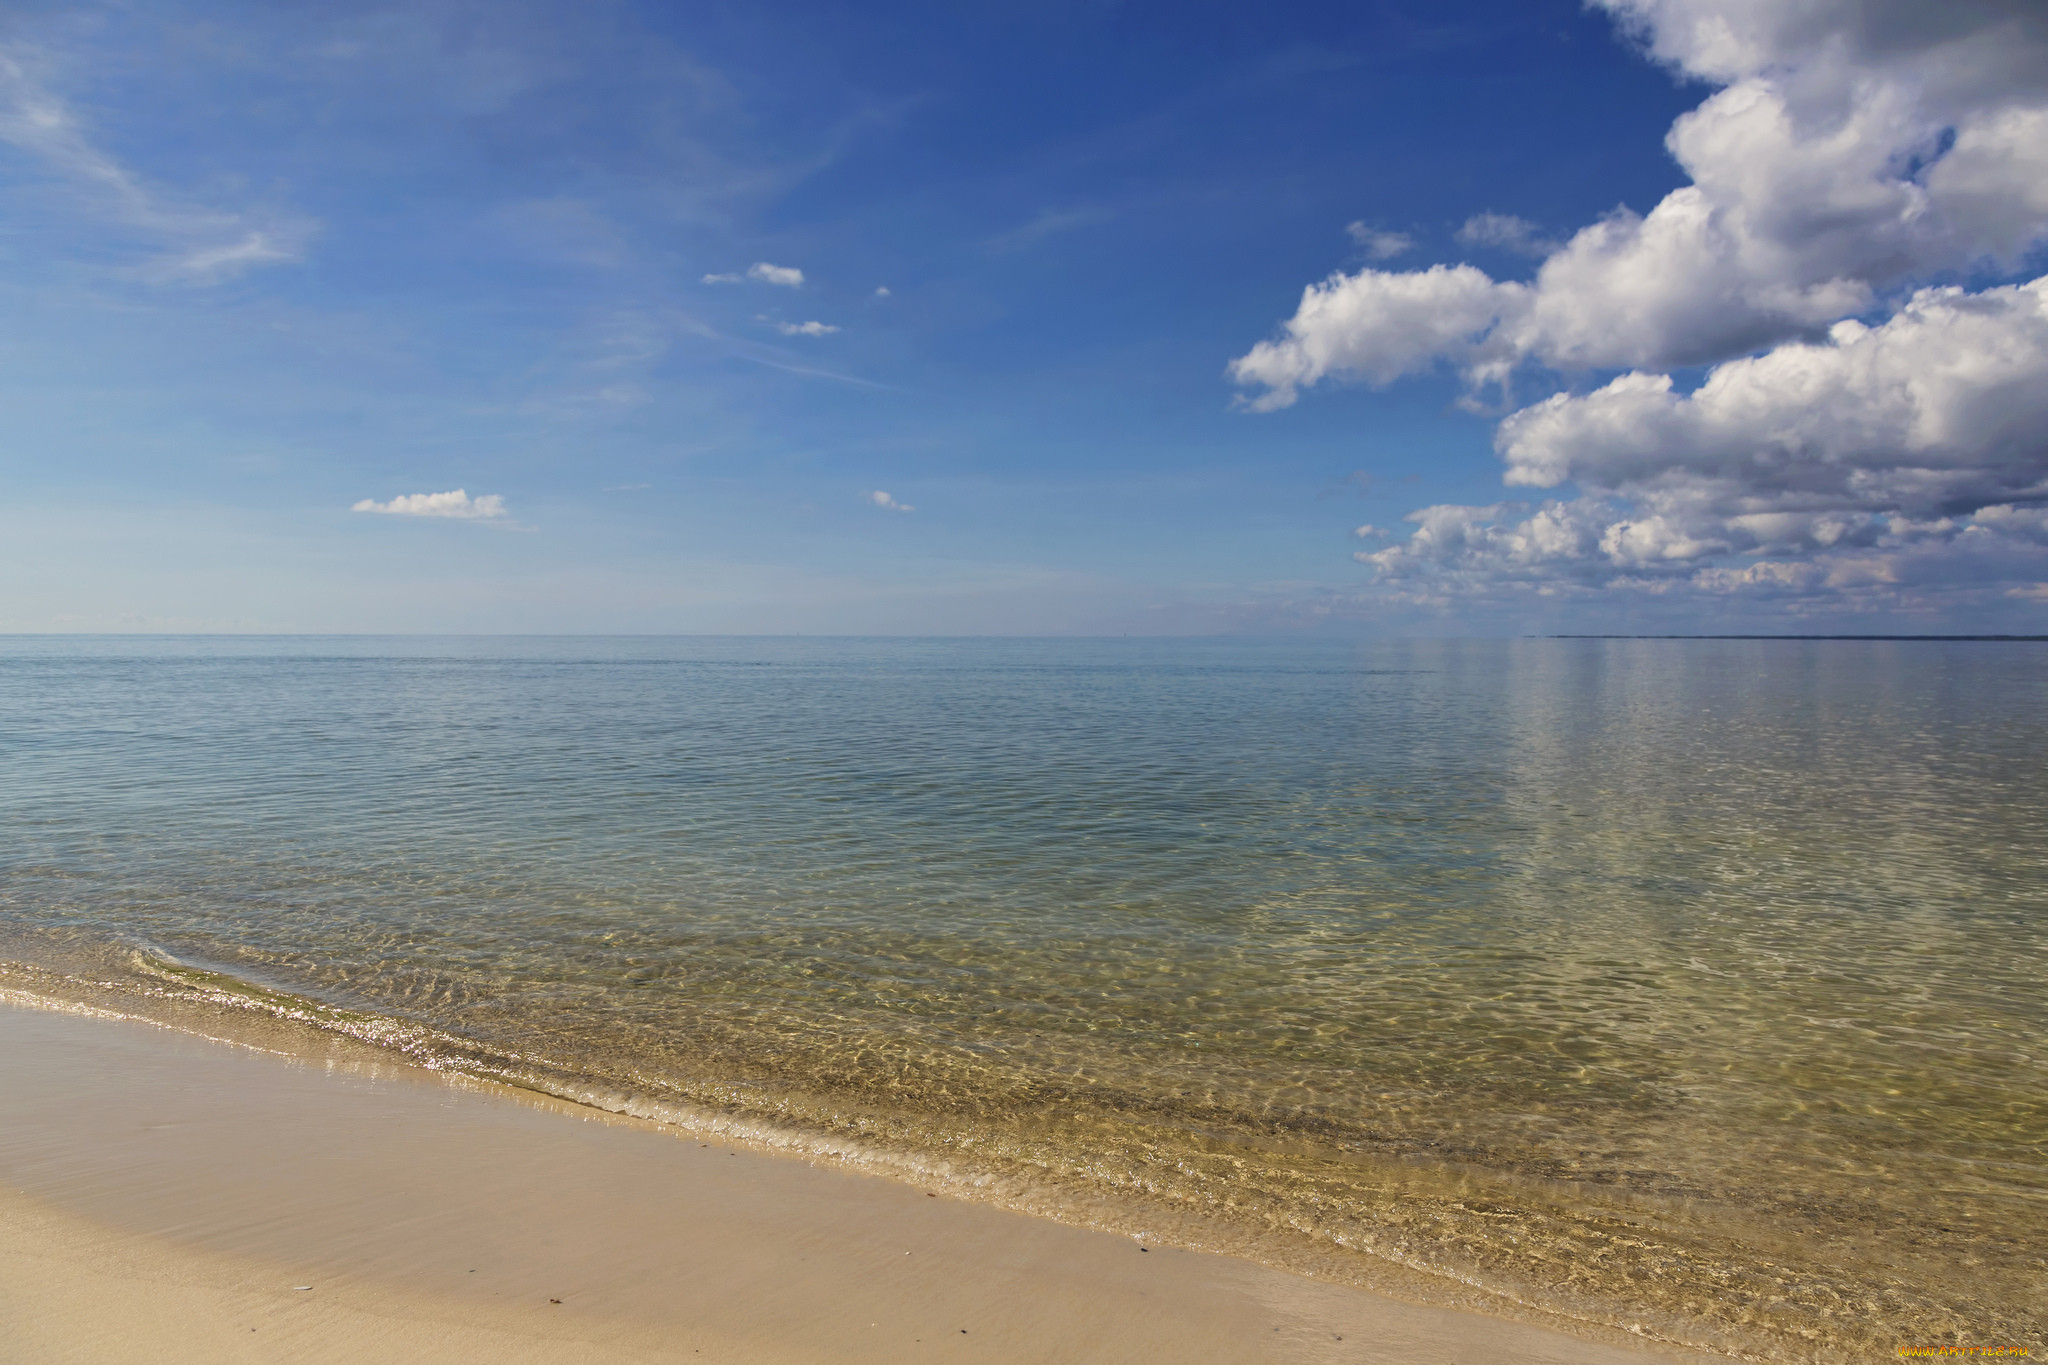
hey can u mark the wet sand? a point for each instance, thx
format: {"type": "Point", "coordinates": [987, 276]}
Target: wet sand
{"type": "Point", "coordinates": [163, 1198]}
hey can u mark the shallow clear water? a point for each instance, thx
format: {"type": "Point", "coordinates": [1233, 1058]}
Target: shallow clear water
{"type": "Point", "coordinates": [1687, 984]}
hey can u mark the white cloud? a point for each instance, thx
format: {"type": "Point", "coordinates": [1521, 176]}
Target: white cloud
{"type": "Point", "coordinates": [787, 276]}
{"type": "Point", "coordinates": [1377, 326]}
{"type": "Point", "coordinates": [1505, 232]}
{"type": "Point", "coordinates": [212, 263]}
{"type": "Point", "coordinates": [1878, 453]}
{"type": "Point", "coordinates": [805, 329]}
{"type": "Point", "coordinates": [882, 291]}
{"type": "Point", "coordinates": [887, 503]}
{"type": "Point", "coordinates": [454, 503]}
{"type": "Point", "coordinates": [1942, 408]}
{"type": "Point", "coordinates": [1586, 546]}
{"type": "Point", "coordinates": [1855, 146]}
{"type": "Point", "coordinates": [1379, 244]}
{"type": "Point", "coordinates": [193, 244]}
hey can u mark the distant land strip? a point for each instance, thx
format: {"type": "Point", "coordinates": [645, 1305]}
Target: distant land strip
{"type": "Point", "coordinates": [2036, 639]}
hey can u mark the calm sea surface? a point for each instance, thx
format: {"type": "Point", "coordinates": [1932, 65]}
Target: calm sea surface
{"type": "Point", "coordinates": [1690, 985]}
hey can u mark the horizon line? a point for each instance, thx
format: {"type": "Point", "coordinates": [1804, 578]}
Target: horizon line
{"type": "Point", "coordinates": [2022, 638]}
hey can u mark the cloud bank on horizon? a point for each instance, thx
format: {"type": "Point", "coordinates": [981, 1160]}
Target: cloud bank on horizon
{"type": "Point", "coordinates": [1871, 430]}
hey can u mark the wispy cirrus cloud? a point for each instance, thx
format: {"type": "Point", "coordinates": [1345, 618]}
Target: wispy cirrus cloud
{"type": "Point", "coordinates": [188, 243]}
{"type": "Point", "coordinates": [805, 329]}
{"type": "Point", "coordinates": [211, 264]}
{"type": "Point", "coordinates": [1505, 232]}
{"type": "Point", "coordinates": [455, 503]}
{"type": "Point", "coordinates": [1046, 223]}
{"type": "Point", "coordinates": [1379, 244]}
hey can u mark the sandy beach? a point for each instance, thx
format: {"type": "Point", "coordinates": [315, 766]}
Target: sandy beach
{"type": "Point", "coordinates": [169, 1197]}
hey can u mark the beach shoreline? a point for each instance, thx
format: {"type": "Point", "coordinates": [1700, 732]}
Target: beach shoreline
{"type": "Point", "coordinates": [196, 1177]}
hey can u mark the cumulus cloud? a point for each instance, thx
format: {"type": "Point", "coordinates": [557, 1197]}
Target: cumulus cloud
{"type": "Point", "coordinates": [1851, 441]}
{"type": "Point", "coordinates": [1876, 459]}
{"type": "Point", "coordinates": [805, 329]}
{"type": "Point", "coordinates": [787, 276]}
{"type": "Point", "coordinates": [1505, 232]}
{"type": "Point", "coordinates": [1376, 325]}
{"type": "Point", "coordinates": [1379, 244]}
{"type": "Point", "coordinates": [1854, 146]}
{"type": "Point", "coordinates": [885, 502]}
{"type": "Point", "coordinates": [1943, 408]}
{"type": "Point", "coordinates": [454, 503]}
{"type": "Point", "coordinates": [1584, 546]}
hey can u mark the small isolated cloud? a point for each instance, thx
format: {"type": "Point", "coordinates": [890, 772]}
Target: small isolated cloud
{"type": "Point", "coordinates": [1378, 244]}
{"type": "Point", "coordinates": [787, 276]}
{"type": "Point", "coordinates": [1505, 232]}
{"type": "Point", "coordinates": [882, 291]}
{"type": "Point", "coordinates": [805, 329]}
{"type": "Point", "coordinates": [454, 503]}
{"type": "Point", "coordinates": [886, 503]}
{"type": "Point", "coordinates": [1370, 532]}
{"type": "Point", "coordinates": [1376, 326]}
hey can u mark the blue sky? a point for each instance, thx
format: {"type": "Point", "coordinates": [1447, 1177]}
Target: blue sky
{"type": "Point", "coordinates": [268, 268]}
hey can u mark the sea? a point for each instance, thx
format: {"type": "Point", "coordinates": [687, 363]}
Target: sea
{"type": "Point", "coordinates": [1691, 987]}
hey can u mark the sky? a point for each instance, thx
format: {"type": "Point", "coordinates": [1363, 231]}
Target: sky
{"type": "Point", "coordinates": [1064, 317]}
